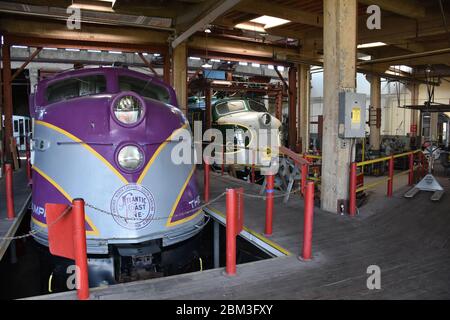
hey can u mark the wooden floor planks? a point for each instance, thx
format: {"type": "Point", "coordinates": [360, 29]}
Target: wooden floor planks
{"type": "Point", "coordinates": [407, 238]}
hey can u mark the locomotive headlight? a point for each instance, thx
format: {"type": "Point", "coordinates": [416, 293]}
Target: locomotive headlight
{"type": "Point", "coordinates": [130, 158]}
{"type": "Point", "coordinates": [265, 119]}
{"type": "Point", "coordinates": [128, 109]}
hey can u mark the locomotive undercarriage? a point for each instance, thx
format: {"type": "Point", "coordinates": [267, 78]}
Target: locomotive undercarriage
{"type": "Point", "coordinates": [130, 262]}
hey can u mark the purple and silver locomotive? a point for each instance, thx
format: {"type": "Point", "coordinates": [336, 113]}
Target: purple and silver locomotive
{"type": "Point", "coordinates": [106, 135]}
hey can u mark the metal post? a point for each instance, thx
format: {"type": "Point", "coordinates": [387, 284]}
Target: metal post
{"type": "Point", "coordinates": [231, 204]}
{"type": "Point", "coordinates": [253, 179]}
{"type": "Point", "coordinates": [411, 169]}
{"type": "Point", "coordinates": [216, 245]}
{"type": "Point", "coordinates": [9, 192]}
{"type": "Point", "coordinates": [79, 242]}
{"type": "Point", "coordinates": [304, 177]}
{"type": "Point", "coordinates": [352, 202]}
{"type": "Point", "coordinates": [308, 222]}
{"type": "Point", "coordinates": [390, 186]}
{"type": "Point", "coordinates": [270, 185]}
{"type": "Point", "coordinates": [206, 180]}
{"type": "Point", "coordinates": [7, 97]}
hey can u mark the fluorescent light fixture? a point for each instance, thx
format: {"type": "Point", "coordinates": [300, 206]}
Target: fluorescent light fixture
{"type": "Point", "coordinates": [156, 54]}
{"type": "Point", "coordinates": [269, 21]}
{"type": "Point", "coordinates": [94, 51]}
{"type": "Point", "coordinates": [215, 60]}
{"type": "Point", "coordinates": [403, 68]}
{"type": "Point", "coordinates": [222, 82]}
{"type": "Point", "coordinates": [241, 63]}
{"type": "Point", "coordinates": [251, 27]}
{"type": "Point", "coordinates": [256, 65]}
{"type": "Point", "coordinates": [115, 52]}
{"type": "Point", "coordinates": [207, 30]}
{"type": "Point", "coordinates": [74, 50]}
{"type": "Point", "coordinates": [371, 45]}
{"type": "Point", "coordinates": [20, 47]}
{"type": "Point", "coordinates": [99, 5]}
{"type": "Point", "coordinates": [194, 58]}
{"type": "Point", "coordinates": [280, 68]}
{"type": "Point", "coordinates": [50, 48]}
{"type": "Point", "coordinates": [206, 65]}
{"type": "Point", "coordinates": [365, 58]}
{"type": "Point", "coordinates": [270, 67]}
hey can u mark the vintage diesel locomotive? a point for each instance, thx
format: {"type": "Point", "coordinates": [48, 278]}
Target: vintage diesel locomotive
{"type": "Point", "coordinates": [105, 135]}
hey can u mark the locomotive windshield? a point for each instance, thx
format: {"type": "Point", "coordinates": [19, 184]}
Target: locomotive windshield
{"type": "Point", "coordinates": [257, 106]}
{"type": "Point", "coordinates": [144, 88]}
{"type": "Point", "coordinates": [75, 87]}
{"type": "Point", "coordinates": [230, 106]}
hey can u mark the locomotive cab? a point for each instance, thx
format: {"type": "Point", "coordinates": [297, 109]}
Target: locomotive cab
{"type": "Point", "coordinates": [256, 132]}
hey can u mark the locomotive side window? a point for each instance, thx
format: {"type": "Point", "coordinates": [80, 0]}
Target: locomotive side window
{"type": "Point", "coordinates": [230, 106]}
{"type": "Point", "coordinates": [144, 88]}
{"type": "Point", "coordinates": [75, 87]}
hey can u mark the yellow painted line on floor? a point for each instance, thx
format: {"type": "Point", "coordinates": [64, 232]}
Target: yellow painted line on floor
{"type": "Point", "coordinates": [257, 235]}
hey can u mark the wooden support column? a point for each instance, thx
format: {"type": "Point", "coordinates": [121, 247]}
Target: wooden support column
{"type": "Point", "coordinates": [166, 71]}
{"type": "Point", "coordinates": [7, 97]}
{"type": "Point", "coordinates": [375, 113]}
{"type": "Point", "coordinates": [340, 33]}
{"type": "Point", "coordinates": [304, 94]}
{"type": "Point", "coordinates": [180, 75]}
{"type": "Point", "coordinates": [292, 107]}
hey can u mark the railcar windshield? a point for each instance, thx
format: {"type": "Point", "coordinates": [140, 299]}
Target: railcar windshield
{"type": "Point", "coordinates": [257, 106]}
{"type": "Point", "coordinates": [144, 88]}
{"type": "Point", "coordinates": [230, 107]}
{"type": "Point", "coordinates": [75, 87]}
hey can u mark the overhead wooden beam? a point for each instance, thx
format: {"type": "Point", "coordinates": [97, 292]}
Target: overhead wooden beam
{"type": "Point", "coordinates": [265, 7]}
{"type": "Point", "coordinates": [236, 47]}
{"type": "Point", "coordinates": [205, 20]}
{"type": "Point", "coordinates": [407, 8]}
{"type": "Point", "coordinates": [30, 31]}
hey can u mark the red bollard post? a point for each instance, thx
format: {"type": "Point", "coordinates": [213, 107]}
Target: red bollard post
{"type": "Point", "coordinates": [231, 204]}
{"type": "Point", "coordinates": [206, 180]}
{"type": "Point", "coordinates": [308, 222]}
{"type": "Point", "coordinates": [390, 187]}
{"type": "Point", "coordinates": [9, 192]}
{"type": "Point", "coordinates": [79, 244]}
{"type": "Point", "coordinates": [411, 169]}
{"type": "Point", "coordinates": [353, 182]}
{"type": "Point", "coordinates": [304, 177]}
{"type": "Point", "coordinates": [270, 185]}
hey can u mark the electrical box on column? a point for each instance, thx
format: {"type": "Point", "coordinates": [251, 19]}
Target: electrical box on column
{"type": "Point", "coordinates": [352, 115]}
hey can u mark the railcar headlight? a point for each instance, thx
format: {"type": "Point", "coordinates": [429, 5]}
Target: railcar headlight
{"type": "Point", "coordinates": [130, 157]}
{"type": "Point", "coordinates": [128, 109]}
{"type": "Point", "coordinates": [266, 119]}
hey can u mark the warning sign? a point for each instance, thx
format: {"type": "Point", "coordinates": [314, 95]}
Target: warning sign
{"type": "Point", "coordinates": [356, 115]}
